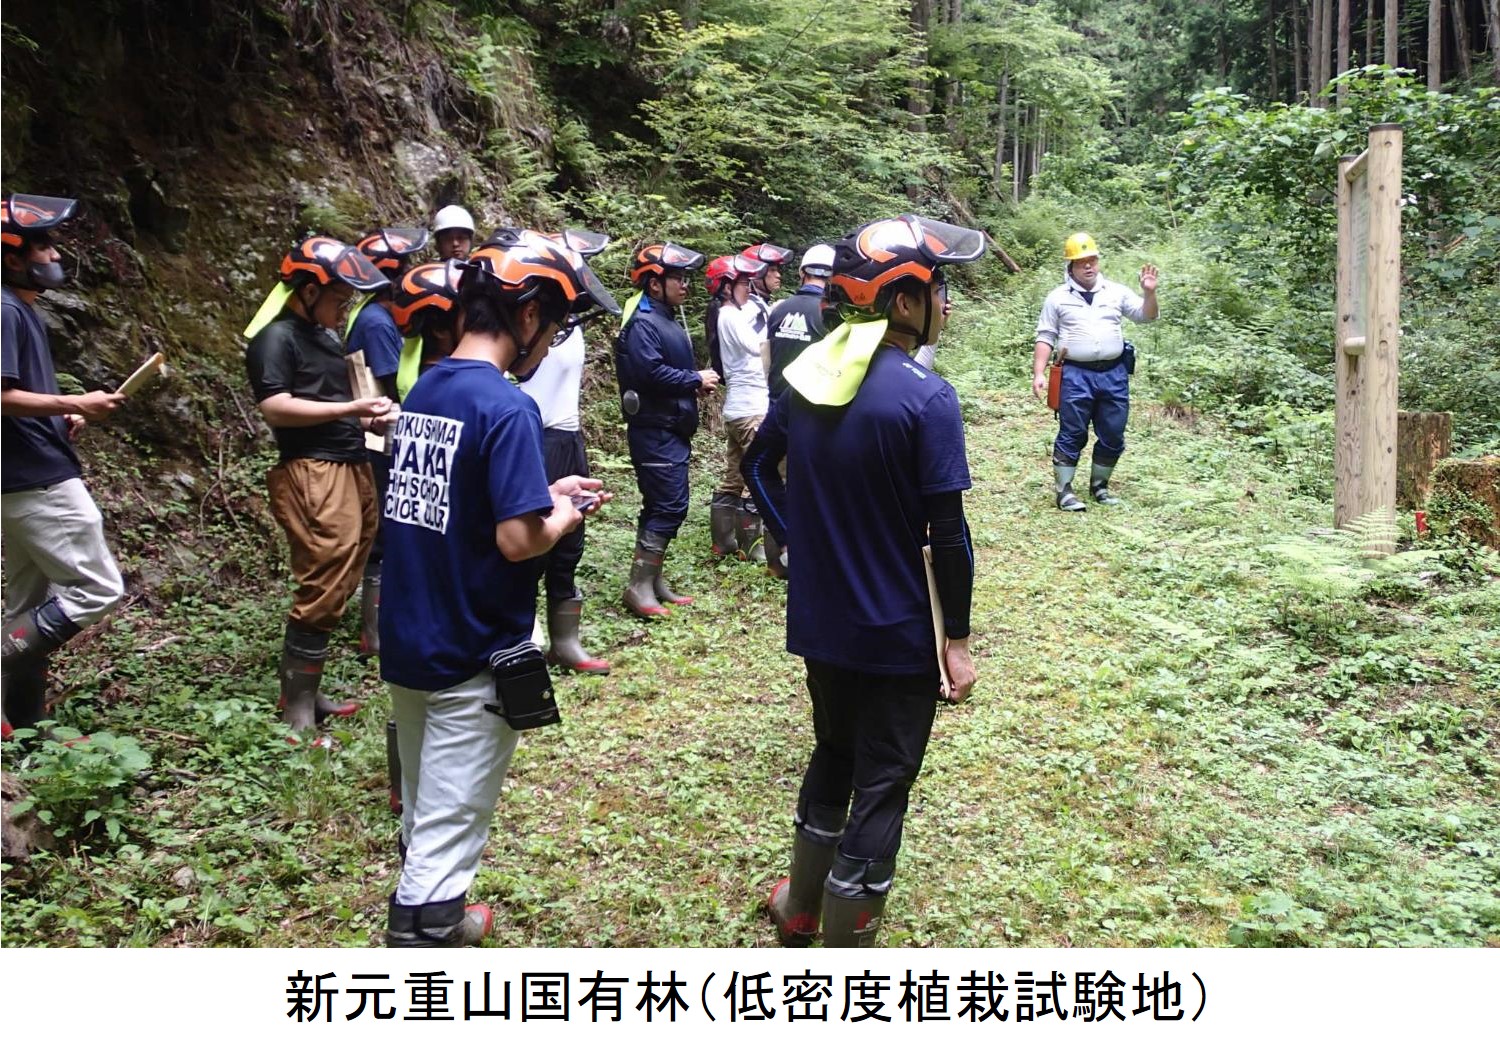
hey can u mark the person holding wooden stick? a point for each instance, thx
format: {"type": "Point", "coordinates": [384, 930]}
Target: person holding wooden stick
{"type": "Point", "coordinates": [322, 492]}
{"type": "Point", "coordinates": [874, 447]}
{"type": "Point", "coordinates": [60, 575]}
{"type": "Point", "coordinates": [371, 331]}
{"type": "Point", "coordinates": [1082, 317]}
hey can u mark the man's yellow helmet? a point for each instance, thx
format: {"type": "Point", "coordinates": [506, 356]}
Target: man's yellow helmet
{"type": "Point", "coordinates": [1080, 245]}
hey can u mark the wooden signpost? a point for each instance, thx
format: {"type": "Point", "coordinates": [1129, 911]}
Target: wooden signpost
{"type": "Point", "coordinates": [1367, 328]}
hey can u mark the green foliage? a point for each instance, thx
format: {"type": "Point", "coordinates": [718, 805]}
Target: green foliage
{"type": "Point", "coordinates": [80, 784]}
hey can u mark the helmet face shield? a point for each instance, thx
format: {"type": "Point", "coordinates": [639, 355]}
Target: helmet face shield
{"type": "Point", "coordinates": [598, 296]}
{"type": "Point", "coordinates": [675, 257]}
{"type": "Point", "coordinates": [947, 243]}
{"type": "Point", "coordinates": [582, 241]}
{"type": "Point", "coordinates": [358, 271]}
{"type": "Point", "coordinates": [769, 253]}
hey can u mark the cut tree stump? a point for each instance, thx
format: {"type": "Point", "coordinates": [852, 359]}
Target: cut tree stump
{"type": "Point", "coordinates": [1422, 440]}
{"type": "Point", "coordinates": [1466, 497]}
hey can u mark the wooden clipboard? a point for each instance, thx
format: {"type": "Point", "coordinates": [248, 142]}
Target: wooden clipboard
{"type": "Point", "coordinates": [939, 627]}
{"type": "Point", "coordinates": [362, 382]}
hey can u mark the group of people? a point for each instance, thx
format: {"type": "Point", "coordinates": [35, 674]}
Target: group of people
{"type": "Point", "coordinates": [447, 473]}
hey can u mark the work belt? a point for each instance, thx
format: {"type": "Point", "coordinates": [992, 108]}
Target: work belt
{"type": "Point", "coordinates": [1096, 366]}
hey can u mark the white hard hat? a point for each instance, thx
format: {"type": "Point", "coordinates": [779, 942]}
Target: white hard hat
{"type": "Point", "coordinates": [817, 260]}
{"type": "Point", "coordinates": [453, 217]}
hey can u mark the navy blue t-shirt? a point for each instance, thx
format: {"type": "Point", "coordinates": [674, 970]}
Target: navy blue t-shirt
{"type": "Point", "coordinates": [466, 455]}
{"type": "Point", "coordinates": [854, 515]}
{"type": "Point", "coordinates": [37, 450]}
{"type": "Point", "coordinates": [376, 334]}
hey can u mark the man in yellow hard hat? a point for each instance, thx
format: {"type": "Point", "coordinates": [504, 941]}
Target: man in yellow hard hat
{"type": "Point", "coordinates": [1082, 317]}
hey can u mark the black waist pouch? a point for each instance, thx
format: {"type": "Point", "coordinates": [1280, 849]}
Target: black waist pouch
{"type": "Point", "coordinates": [523, 688]}
{"type": "Point", "coordinates": [1128, 355]}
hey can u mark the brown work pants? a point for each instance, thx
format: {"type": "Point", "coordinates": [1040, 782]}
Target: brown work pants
{"type": "Point", "coordinates": [740, 433]}
{"type": "Point", "coordinates": [327, 509]}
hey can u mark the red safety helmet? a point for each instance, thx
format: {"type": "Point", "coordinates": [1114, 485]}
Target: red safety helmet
{"type": "Point", "coordinates": [25, 216]}
{"type": "Point", "coordinates": [521, 261]}
{"type": "Point", "coordinates": [876, 255]}
{"type": "Point", "coordinates": [657, 258]}
{"type": "Point", "coordinates": [325, 260]}
{"type": "Point", "coordinates": [729, 268]}
{"type": "Point", "coordinates": [769, 253]}
{"type": "Point", "coordinates": [426, 294]}
{"type": "Point", "coordinates": [389, 249]}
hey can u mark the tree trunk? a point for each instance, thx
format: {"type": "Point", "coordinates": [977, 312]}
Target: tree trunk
{"type": "Point", "coordinates": [1325, 43]}
{"type": "Point", "coordinates": [917, 87]}
{"type": "Point", "coordinates": [1314, 63]}
{"type": "Point", "coordinates": [1298, 65]}
{"type": "Point", "coordinates": [1435, 45]}
{"type": "Point", "coordinates": [1494, 14]}
{"type": "Point", "coordinates": [1461, 39]}
{"type": "Point", "coordinates": [1016, 155]}
{"type": "Point", "coordinates": [1391, 30]}
{"type": "Point", "coordinates": [1000, 130]}
{"type": "Point", "coordinates": [1369, 53]}
{"type": "Point", "coordinates": [1343, 46]}
{"type": "Point", "coordinates": [1271, 59]}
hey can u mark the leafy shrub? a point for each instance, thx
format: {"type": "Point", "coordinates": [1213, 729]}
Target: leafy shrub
{"type": "Point", "coordinates": [76, 784]}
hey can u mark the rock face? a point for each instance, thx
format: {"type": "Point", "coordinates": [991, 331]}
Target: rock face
{"type": "Point", "coordinates": [1466, 497]}
{"type": "Point", "coordinates": [20, 835]}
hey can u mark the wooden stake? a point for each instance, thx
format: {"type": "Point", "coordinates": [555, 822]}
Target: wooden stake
{"type": "Point", "coordinates": [1367, 327]}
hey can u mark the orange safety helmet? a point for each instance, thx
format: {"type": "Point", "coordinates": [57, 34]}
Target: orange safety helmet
{"type": "Point", "coordinates": [324, 260]}
{"type": "Point", "coordinates": [656, 258]}
{"type": "Point", "coordinates": [389, 249]}
{"type": "Point", "coordinates": [24, 216]}
{"type": "Point", "coordinates": [873, 257]}
{"type": "Point", "coordinates": [521, 261]}
{"type": "Point", "coordinates": [426, 294]}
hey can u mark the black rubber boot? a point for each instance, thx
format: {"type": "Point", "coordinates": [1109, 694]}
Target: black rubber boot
{"type": "Point", "coordinates": [1067, 501]}
{"type": "Point", "coordinates": [369, 612]}
{"type": "Point", "coordinates": [303, 652]}
{"type": "Point", "coordinates": [645, 567]}
{"type": "Point", "coordinates": [35, 633]}
{"type": "Point", "coordinates": [664, 593]}
{"type": "Point", "coordinates": [854, 900]}
{"type": "Point", "coordinates": [852, 922]}
{"type": "Point", "coordinates": [24, 700]}
{"type": "Point", "coordinates": [449, 924]}
{"type": "Point", "coordinates": [723, 516]}
{"type": "Point", "coordinates": [1099, 483]}
{"type": "Point", "coordinates": [796, 901]}
{"type": "Point", "coordinates": [563, 647]}
{"type": "Point", "coordinates": [749, 534]}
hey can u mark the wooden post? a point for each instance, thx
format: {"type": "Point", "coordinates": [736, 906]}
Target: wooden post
{"type": "Point", "coordinates": [1422, 440]}
{"type": "Point", "coordinates": [1367, 324]}
{"type": "Point", "coordinates": [1345, 359]}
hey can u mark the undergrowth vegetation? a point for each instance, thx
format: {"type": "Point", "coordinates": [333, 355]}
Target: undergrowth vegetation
{"type": "Point", "coordinates": [1197, 723]}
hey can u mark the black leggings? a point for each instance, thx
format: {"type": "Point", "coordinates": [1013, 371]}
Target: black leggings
{"type": "Point", "coordinates": [564, 455]}
{"type": "Point", "coordinates": [872, 733]}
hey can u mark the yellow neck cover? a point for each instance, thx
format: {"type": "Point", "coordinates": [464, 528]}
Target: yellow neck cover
{"type": "Point", "coordinates": [269, 310]}
{"type": "Point", "coordinates": [829, 372]}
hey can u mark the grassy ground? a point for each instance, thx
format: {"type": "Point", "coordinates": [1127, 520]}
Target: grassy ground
{"type": "Point", "coordinates": [1195, 724]}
